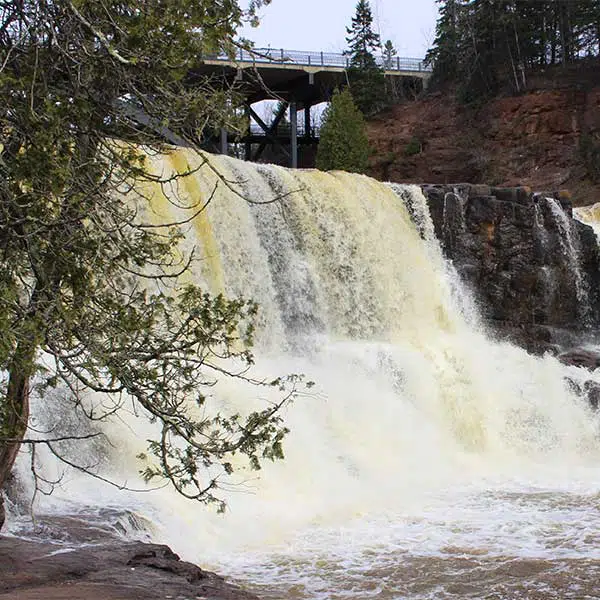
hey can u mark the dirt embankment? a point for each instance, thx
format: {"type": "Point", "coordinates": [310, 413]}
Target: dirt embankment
{"type": "Point", "coordinates": [547, 138]}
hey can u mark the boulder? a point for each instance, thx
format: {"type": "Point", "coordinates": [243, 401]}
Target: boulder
{"type": "Point", "coordinates": [579, 357]}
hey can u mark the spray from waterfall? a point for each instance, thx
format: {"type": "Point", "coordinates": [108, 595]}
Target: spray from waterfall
{"type": "Point", "coordinates": [417, 419]}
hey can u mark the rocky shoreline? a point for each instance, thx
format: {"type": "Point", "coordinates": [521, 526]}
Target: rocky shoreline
{"type": "Point", "coordinates": [83, 558]}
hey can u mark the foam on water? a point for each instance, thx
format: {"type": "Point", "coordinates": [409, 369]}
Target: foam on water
{"type": "Point", "coordinates": [590, 215]}
{"type": "Point", "coordinates": [422, 439]}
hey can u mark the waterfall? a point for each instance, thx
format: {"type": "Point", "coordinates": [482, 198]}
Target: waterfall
{"type": "Point", "coordinates": [569, 245]}
{"type": "Point", "coordinates": [590, 215]}
{"type": "Point", "coordinates": [422, 438]}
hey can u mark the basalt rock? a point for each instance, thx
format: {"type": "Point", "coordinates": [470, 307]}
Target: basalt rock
{"type": "Point", "coordinates": [533, 269]}
{"type": "Point", "coordinates": [589, 359]}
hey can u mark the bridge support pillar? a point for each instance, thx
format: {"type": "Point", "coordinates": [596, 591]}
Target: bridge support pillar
{"type": "Point", "coordinates": [224, 141]}
{"type": "Point", "coordinates": [248, 145]}
{"type": "Point", "coordinates": [307, 124]}
{"type": "Point", "coordinates": [294, 134]}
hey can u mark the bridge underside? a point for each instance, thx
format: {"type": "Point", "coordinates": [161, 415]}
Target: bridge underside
{"type": "Point", "coordinates": [297, 87]}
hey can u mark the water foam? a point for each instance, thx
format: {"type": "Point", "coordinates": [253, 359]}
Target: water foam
{"type": "Point", "coordinates": [422, 434]}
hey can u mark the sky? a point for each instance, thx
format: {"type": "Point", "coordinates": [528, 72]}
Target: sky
{"type": "Point", "coordinates": [321, 24]}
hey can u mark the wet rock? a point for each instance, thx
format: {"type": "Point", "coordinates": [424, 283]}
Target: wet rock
{"type": "Point", "coordinates": [590, 359]}
{"type": "Point", "coordinates": [528, 262]}
{"type": "Point", "coordinates": [109, 569]}
{"type": "Point", "coordinates": [592, 392]}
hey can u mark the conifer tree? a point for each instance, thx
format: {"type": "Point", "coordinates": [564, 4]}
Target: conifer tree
{"type": "Point", "coordinates": [444, 54]}
{"type": "Point", "coordinates": [487, 45]}
{"type": "Point", "coordinates": [367, 83]}
{"type": "Point", "coordinates": [343, 143]}
{"type": "Point", "coordinates": [389, 54]}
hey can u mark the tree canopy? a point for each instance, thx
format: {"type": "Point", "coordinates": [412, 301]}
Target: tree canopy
{"type": "Point", "coordinates": [85, 280]}
{"type": "Point", "coordinates": [343, 144]}
{"type": "Point", "coordinates": [485, 45]}
{"type": "Point", "coordinates": [367, 82]}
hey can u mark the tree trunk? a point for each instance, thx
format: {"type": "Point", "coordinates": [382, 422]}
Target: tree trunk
{"type": "Point", "coordinates": [14, 413]}
{"type": "Point", "coordinates": [14, 422]}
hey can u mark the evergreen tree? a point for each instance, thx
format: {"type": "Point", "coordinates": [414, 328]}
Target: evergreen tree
{"type": "Point", "coordinates": [486, 45]}
{"type": "Point", "coordinates": [389, 55]}
{"type": "Point", "coordinates": [444, 54]}
{"type": "Point", "coordinates": [343, 144]}
{"type": "Point", "coordinates": [367, 82]}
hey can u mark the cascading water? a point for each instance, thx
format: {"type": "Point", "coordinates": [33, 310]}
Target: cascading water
{"type": "Point", "coordinates": [569, 247]}
{"type": "Point", "coordinates": [429, 462]}
{"type": "Point", "coordinates": [590, 215]}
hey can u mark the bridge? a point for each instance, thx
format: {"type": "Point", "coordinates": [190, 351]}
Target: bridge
{"type": "Point", "coordinates": [299, 80]}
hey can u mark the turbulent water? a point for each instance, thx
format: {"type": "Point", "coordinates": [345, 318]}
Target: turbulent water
{"type": "Point", "coordinates": [590, 215]}
{"type": "Point", "coordinates": [429, 461]}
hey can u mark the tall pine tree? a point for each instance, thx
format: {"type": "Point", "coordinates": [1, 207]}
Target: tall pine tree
{"type": "Point", "coordinates": [484, 46]}
{"type": "Point", "coordinates": [367, 82]}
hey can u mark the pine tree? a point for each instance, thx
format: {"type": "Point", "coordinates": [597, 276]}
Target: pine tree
{"type": "Point", "coordinates": [487, 45]}
{"type": "Point", "coordinates": [389, 54]}
{"type": "Point", "coordinates": [343, 145]}
{"type": "Point", "coordinates": [444, 54]}
{"type": "Point", "coordinates": [367, 83]}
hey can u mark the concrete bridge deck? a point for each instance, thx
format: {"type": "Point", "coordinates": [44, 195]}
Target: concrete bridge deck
{"type": "Point", "coordinates": [299, 79]}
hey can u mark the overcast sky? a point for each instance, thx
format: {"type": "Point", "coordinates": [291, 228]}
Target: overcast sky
{"type": "Point", "coordinates": [321, 24]}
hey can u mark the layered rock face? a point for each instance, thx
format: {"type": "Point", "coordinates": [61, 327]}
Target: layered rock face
{"type": "Point", "coordinates": [546, 138]}
{"type": "Point", "coordinates": [534, 270]}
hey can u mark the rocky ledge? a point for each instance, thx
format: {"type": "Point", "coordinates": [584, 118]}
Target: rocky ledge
{"type": "Point", "coordinates": [534, 270]}
{"type": "Point", "coordinates": [91, 563]}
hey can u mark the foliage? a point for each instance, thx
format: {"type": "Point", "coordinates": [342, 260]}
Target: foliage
{"type": "Point", "coordinates": [589, 150]}
{"type": "Point", "coordinates": [85, 279]}
{"type": "Point", "coordinates": [367, 82]}
{"type": "Point", "coordinates": [486, 45]}
{"type": "Point", "coordinates": [343, 144]}
{"type": "Point", "coordinates": [413, 147]}
{"type": "Point", "coordinates": [389, 54]}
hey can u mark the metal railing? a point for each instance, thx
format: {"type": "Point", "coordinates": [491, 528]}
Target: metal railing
{"type": "Point", "coordinates": [285, 129]}
{"type": "Point", "coordinates": [319, 59]}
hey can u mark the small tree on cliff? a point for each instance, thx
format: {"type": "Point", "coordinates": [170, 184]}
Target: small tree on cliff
{"type": "Point", "coordinates": [85, 280]}
{"type": "Point", "coordinates": [367, 82]}
{"type": "Point", "coordinates": [343, 144]}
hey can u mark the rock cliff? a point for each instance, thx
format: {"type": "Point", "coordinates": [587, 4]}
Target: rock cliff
{"type": "Point", "coordinates": [534, 270]}
{"type": "Point", "coordinates": [548, 138]}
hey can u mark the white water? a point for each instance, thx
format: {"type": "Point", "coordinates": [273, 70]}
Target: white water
{"type": "Point", "coordinates": [569, 246]}
{"type": "Point", "coordinates": [590, 215]}
{"type": "Point", "coordinates": [427, 455]}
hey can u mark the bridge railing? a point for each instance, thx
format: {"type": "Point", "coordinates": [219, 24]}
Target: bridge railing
{"type": "Point", "coordinates": [285, 129]}
{"type": "Point", "coordinates": [319, 59]}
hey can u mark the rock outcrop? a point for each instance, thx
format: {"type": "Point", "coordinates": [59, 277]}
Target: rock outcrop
{"type": "Point", "coordinates": [80, 558]}
{"type": "Point", "coordinates": [538, 139]}
{"type": "Point", "coordinates": [534, 270]}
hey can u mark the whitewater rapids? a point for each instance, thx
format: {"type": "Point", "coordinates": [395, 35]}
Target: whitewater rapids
{"type": "Point", "coordinates": [429, 460]}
